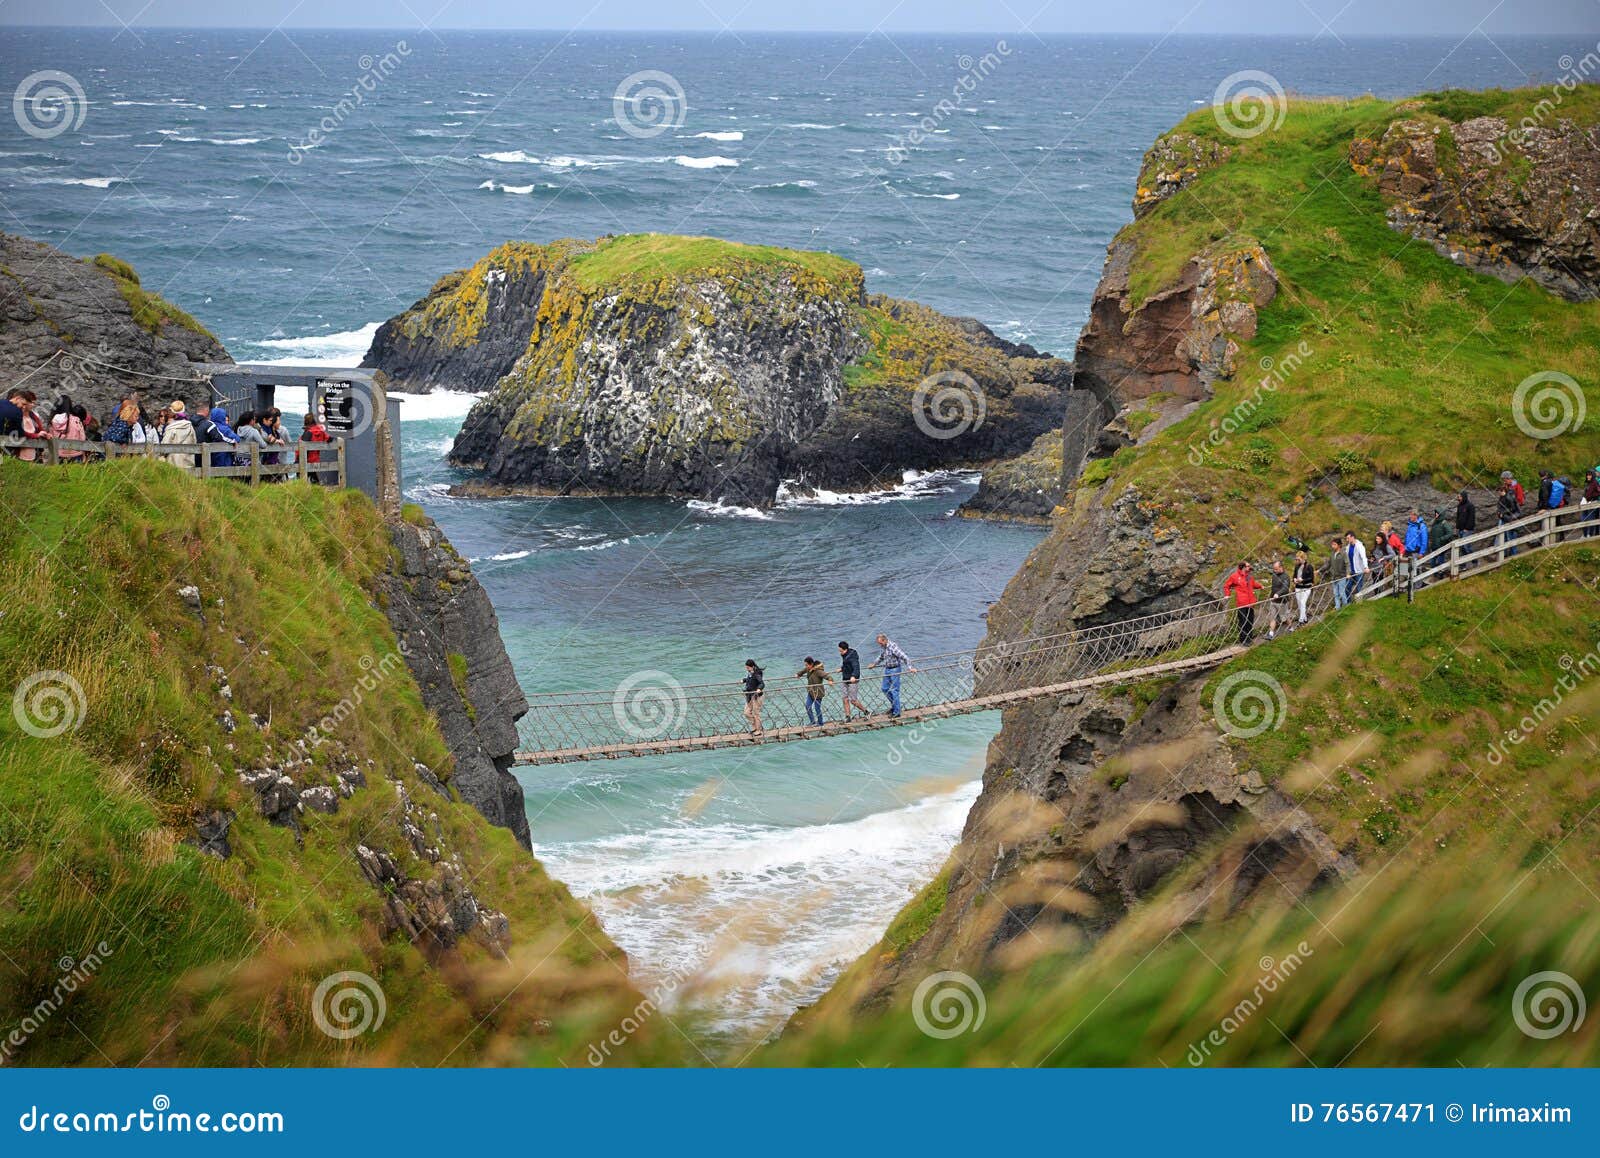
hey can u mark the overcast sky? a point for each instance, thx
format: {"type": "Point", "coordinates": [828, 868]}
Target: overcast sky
{"type": "Point", "coordinates": [1352, 18]}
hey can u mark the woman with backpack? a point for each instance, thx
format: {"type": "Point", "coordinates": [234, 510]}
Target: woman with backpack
{"type": "Point", "coordinates": [1383, 555]}
{"type": "Point", "coordinates": [119, 431]}
{"type": "Point", "coordinates": [66, 423]}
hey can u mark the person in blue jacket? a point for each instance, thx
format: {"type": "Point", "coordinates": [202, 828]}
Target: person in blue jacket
{"type": "Point", "coordinates": [1416, 535]}
{"type": "Point", "coordinates": [222, 432]}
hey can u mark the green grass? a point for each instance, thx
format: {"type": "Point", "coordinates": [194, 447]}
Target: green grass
{"type": "Point", "coordinates": [150, 311]}
{"type": "Point", "coordinates": [1407, 363]}
{"type": "Point", "coordinates": [1435, 687]}
{"type": "Point", "coordinates": [918, 917]}
{"type": "Point", "coordinates": [1392, 969]}
{"type": "Point", "coordinates": [636, 257]}
{"type": "Point", "coordinates": [214, 962]}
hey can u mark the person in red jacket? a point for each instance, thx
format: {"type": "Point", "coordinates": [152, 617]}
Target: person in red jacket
{"type": "Point", "coordinates": [1242, 585]}
{"type": "Point", "coordinates": [314, 431]}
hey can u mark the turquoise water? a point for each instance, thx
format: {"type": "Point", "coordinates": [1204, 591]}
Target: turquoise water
{"type": "Point", "coordinates": [761, 871]}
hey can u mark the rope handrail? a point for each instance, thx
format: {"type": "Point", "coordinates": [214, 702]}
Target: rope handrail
{"type": "Point", "coordinates": [639, 719]}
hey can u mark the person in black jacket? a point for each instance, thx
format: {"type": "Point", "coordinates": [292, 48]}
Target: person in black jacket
{"type": "Point", "coordinates": [1466, 515]}
{"type": "Point", "coordinates": [1507, 510]}
{"type": "Point", "coordinates": [850, 678]}
{"type": "Point", "coordinates": [1305, 578]}
{"type": "Point", "coordinates": [755, 687]}
{"type": "Point", "coordinates": [1591, 496]}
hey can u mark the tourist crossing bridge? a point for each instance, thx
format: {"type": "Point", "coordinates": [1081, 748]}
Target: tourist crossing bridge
{"type": "Point", "coordinates": [652, 714]}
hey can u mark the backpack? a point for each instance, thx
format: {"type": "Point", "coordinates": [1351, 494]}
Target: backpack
{"type": "Point", "coordinates": [117, 430]}
{"type": "Point", "coordinates": [1560, 488]}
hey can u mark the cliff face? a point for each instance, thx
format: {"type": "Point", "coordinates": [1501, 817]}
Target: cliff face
{"type": "Point", "coordinates": [452, 644]}
{"type": "Point", "coordinates": [1505, 199]}
{"type": "Point", "coordinates": [1234, 375]}
{"type": "Point", "coordinates": [96, 316]}
{"type": "Point", "coordinates": [702, 368]}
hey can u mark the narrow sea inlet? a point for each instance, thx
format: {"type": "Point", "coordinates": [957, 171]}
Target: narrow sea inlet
{"type": "Point", "coordinates": [738, 882]}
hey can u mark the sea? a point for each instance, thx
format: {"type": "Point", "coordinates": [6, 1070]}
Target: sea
{"type": "Point", "coordinates": [292, 189]}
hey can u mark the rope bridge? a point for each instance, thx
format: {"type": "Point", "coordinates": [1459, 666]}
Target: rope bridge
{"type": "Point", "coordinates": [651, 714]}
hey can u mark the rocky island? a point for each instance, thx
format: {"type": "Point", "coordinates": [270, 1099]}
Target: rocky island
{"type": "Point", "coordinates": [700, 368]}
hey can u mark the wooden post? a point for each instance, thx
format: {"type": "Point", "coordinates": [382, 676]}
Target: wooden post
{"type": "Point", "coordinates": [1455, 559]}
{"type": "Point", "coordinates": [1550, 529]}
{"type": "Point", "coordinates": [342, 445]}
{"type": "Point", "coordinates": [300, 454]}
{"type": "Point", "coordinates": [255, 464]}
{"type": "Point", "coordinates": [51, 456]}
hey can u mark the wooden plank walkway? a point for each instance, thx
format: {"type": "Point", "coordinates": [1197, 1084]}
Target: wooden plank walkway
{"type": "Point", "coordinates": [877, 720]}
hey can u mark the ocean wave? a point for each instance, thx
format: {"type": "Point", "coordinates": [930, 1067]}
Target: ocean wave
{"type": "Point", "coordinates": [728, 510]}
{"type": "Point", "coordinates": [86, 182]}
{"type": "Point", "coordinates": [728, 135]}
{"type": "Point", "coordinates": [706, 162]}
{"type": "Point", "coordinates": [785, 186]}
{"type": "Point", "coordinates": [346, 348]}
{"type": "Point", "coordinates": [793, 494]}
{"type": "Point", "coordinates": [520, 190]}
{"type": "Point", "coordinates": [815, 126]}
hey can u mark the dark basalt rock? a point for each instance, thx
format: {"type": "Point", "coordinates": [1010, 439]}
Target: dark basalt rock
{"type": "Point", "coordinates": [435, 618]}
{"type": "Point", "coordinates": [51, 302]}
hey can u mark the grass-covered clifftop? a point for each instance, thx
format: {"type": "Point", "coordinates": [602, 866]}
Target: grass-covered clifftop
{"type": "Point", "coordinates": [1377, 355]}
{"type": "Point", "coordinates": [132, 707]}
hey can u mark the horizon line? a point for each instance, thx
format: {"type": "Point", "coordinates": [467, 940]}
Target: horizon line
{"type": "Point", "coordinates": [863, 33]}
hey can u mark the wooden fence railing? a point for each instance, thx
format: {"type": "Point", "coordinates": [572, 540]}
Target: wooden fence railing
{"type": "Point", "coordinates": [1484, 550]}
{"type": "Point", "coordinates": [203, 459]}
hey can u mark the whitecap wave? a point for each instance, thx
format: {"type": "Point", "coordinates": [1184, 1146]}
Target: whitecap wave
{"type": "Point", "coordinates": [728, 510]}
{"type": "Point", "coordinates": [706, 162]}
{"type": "Point", "coordinates": [728, 135]}
{"type": "Point", "coordinates": [792, 493]}
{"type": "Point", "coordinates": [85, 182]}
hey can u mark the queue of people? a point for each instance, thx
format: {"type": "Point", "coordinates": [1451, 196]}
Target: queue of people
{"type": "Point", "coordinates": [1353, 564]}
{"type": "Point", "coordinates": [131, 424]}
{"type": "Point", "coordinates": [818, 676]}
